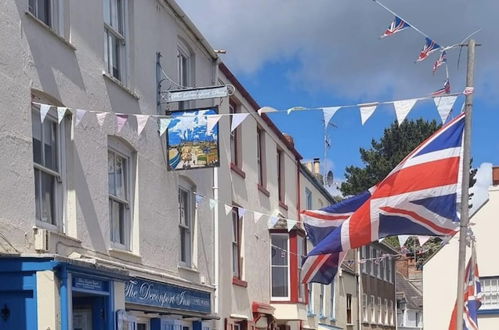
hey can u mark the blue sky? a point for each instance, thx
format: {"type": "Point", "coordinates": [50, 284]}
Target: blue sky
{"type": "Point", "coordinates": [327, 52]}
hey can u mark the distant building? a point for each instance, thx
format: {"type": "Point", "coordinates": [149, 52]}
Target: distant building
{"type": "Point", "coordinates": [409, 304]}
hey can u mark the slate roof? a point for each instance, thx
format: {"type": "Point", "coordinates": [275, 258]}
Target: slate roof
{"type": "Point", "coordinates": [405, 289]}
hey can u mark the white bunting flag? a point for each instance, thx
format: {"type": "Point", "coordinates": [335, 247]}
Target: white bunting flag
{"type": "Point", "coordinates": [241, 211]}
{"type": "Point", "coordinates": [61, 112]}
{"type": "Point", "coordinates": [237, 119]}
{"type": "Point", "coordinates": [228, 209]}
{"type": "Point", "coordinates": [402, 108]}
{"type": "Point", "coordinates": [120, 122]}
{"type": "Point", "coordinates": [163, 125]}
{"type": "Point", "coordinates": [403, 239]}
{"type": "Point", "coordinates": [101, 117]}
{"type": "Point", "coordinates": [444, 106]}
{"type": "Point", "coordinates": [257, 216]}
{"type": "Point", "coordinates": [272, 222]}
{"type": "Point", "coordinates": [199, 199]}
{"type": "Point", "coordinates": [366, 111]}
{"type": "Point", "coordinates": [295, 109]}
{"type": "Point", "coordinates": [44, 109]}
{"type": "Point", "coordinates": [423, 239]}
{"type": "Point", "coordinates": [265, 110]}
{"type": "Point", "coordinates": [211, 121]}
{"type": "Point", "coordinates": [290, 224]}
{"type": "Point", "coordinates": [79, 116]}
{"type": "Point", "coordinates": [213, 203]}
{"type": "Point", "coordinates": [328, 113]}
{"type": "Point", "coordinates": [141, 122]}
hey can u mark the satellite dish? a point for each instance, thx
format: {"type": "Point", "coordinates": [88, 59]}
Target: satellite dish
{"type": "Point", "coordinates": [329, 178]}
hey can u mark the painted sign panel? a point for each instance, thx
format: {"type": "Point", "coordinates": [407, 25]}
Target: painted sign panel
{"type": "Point", "coordinates": [197, 94]}
{"type": "Point", "coordinates": [89, 284]}
{"type": "Point", "coordinates": [190, 144]}
{"type": "Point", "coordinates": [143, 292]}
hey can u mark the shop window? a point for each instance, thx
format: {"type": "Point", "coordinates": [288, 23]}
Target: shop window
{"type": "Point", "coordinates": [186, 222]}
{"type": "Point", "coordinates": [280, 266]}
{"type": "Point", "coordinates": [119, 183]}
{"type": "Point", "coordinates": [49, 143]}
{"type": "Point", "coordinates": [115, 45]}
{"type": "Point", "coordinates": [236, 244]}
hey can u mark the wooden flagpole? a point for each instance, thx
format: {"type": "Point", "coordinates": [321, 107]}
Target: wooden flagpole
{"type": "Point", "coordinates": [465, 186]}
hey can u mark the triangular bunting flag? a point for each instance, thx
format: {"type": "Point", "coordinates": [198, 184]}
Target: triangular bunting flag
{"type": "Point", "coordinates": [79, 116]}
{"type": "Point", "coordinates": [290, 224]}
{"type": "Point", "coordinates": [328, 113]}
{"type": "Point", "coordinates": [241, 211]}
{"type": "Point", "coordinates": [211, 121]}
{"type": "Point", "coordinates": [44, 109]}
{"type": "Point", "coordinates": [295, 109]}
{"type": "Point", "coordinates": [61, 112]}
{"type": "Point", "coordinates": [444, 106]}
{"type": "Point", "coordinates": [101, 117]}
{"type": "Point", "coordinates": [402, 108]}
{"type": "Point", "coordinates": [120, 122]}
{"type": "Point", "coordinates": [366, 110]}
{"type": "Point", "coordinates": [403, 239]}
{"type": "Point", "coordinates": [141, 122]}
{"type": "Point", "coordinates": [257, 216]}
{"type": "Point", "coordinates": [228, 209]}
{"type": "Point", "coordinates": [265, 110]}
{"type": "Point", "coordinates": [163, 125]}
{"type": "Point", "coordinates": [213, 203]}
{"type": "Point", "coordinates": [423, 239]}
{"type": "Point", "coordinates": [237, 119]}
{"type": "Point", "coordinates": [199, 199]}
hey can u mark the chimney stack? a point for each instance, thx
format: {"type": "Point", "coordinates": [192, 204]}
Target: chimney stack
{"type": "Point", "coordinates": [317, 166]}
{"type": "Point", "coordinates": [495, 175]}
{"type": "Point", "coordinates": [290, 139]}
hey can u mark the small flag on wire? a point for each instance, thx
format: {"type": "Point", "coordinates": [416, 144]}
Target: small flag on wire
{"type": "Point", "coordinates": [396, 26]}
{"type": "Point", "coordinates": [440, 61]}
{"type": "Point", "coordinates": [429, 47]}
{"type": "Point", "coordinates": [444, 90]}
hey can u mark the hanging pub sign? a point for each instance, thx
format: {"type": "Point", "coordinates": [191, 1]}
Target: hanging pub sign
{"type": "Point", "coordinates": [191, 143]}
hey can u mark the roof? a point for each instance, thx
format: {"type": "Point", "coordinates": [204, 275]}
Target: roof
{"type": "Point", "coordinates": [405, 289]}
{"type": "Point", "coordinates": [240, 88]}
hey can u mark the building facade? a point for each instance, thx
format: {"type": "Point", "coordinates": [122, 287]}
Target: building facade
{"type": "Point", "coordinates": [440, 272]}
{"type": "Point", "coordinates": [95, 232]}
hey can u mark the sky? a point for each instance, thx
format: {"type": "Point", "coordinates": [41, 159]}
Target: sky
{"type": "Point", "coordinates": [328, 53]}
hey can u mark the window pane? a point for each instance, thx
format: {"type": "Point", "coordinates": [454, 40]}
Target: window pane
{"type": "Point", "coordinates": [50, 144]}
{"type": "Point", "coordinates": [116, 57]}
{"type": "Point", "coordinates": [182, 244]}
{"type": "Point", "coordinates": [119, 176]}
{"type": "Point", "coordinates": [279, 281]}
{"type": "Point", "coordinates": [114, 14]}
{"type": "Point", "coordinates": [37, 137]}
{"type": "Point", "coordinates": [106, 11]}
{"type": "Point", "coordinates": [279, 250]}
{"type": "Point", "coordinates": [110, 173]}
{"type": "Point", "coordinates": [48, 198]}
{"type": "Point", "coordinates": [235, 260]}
{"type": "Point", "coordinates": [117, 215]}
{"type": "Point", "coordinates": [184, 207]}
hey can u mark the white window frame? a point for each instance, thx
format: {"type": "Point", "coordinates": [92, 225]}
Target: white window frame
{"type": "Point", "coordinates": [310, 306]}
{"type": "Point", "coordinates": [237, 242]}
{"type": "Point", "coordinates": [391, 313]}
{"type": "Point", "coordinates": [490, 293]}
{"type": "Point", "coordinates": [365, 308]}
{"type": "Point", "coordinates": [111, 31]}
{"type": "Point", "coordinates": [118, 148]}
{"type": "Point", "coordinates": [59, 175]}
{"type": "Point", "coordinates": [373, 309]}
{"type": "Point", "coordinates": [332, 300]}
{"type": "Point", "coordinates": [322, 301]}
{"type": "Point", "coordinates": [385, 314]}
{"type": "Point", "coordinates": [188, 189]}
{"type": "Point", "coordinates": [288, 266]}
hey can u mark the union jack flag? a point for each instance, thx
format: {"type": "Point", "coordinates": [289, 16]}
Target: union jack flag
{"type": "Point", "coordinates": [444, 90]}
{"type": "Point", "coordinates": [472, 297]}
{"type": "Point", "coordinates": [396, 26]}
{"type": "Point", "coordinates": [419, 197]}
{"type": "Point", "coordinates": [440, 61]}
{"type": "Point", "coordinates": [429, 47]}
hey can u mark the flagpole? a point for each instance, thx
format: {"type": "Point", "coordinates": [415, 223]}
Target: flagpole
{"type": "Point", "coordinates": [465, 186]}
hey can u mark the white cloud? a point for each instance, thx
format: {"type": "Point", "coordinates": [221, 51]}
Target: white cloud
{"type": "Point", "coordinates": [336, 42]}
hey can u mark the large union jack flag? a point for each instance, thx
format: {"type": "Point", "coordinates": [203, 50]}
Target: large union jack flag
{"type": "Point", "coordinates": [397, 25]}
{"type": "Point", "coordinates": [472, 296]}
{"type": "Point", "coordinates": [429, 47]}
{"type": "Point", "coordinates": [419, 197]}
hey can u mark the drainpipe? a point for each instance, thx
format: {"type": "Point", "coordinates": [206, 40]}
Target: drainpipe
{"type": "Point", "coordinates": [359, 292]}
{"type": "Point", "coordinates": [215, 217]}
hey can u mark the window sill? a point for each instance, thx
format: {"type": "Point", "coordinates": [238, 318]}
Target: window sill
{"type": "Point", "coordinates": [238, 282]}
{"type": "Point", "coordinates": [263, 190]}
{"type": "Point", "coordinates": [118, 83]}
{"type": "Point", "coordinates": [50, 30]}
{"type": "Point", "coordinates": [237, 170]}
{"type": "Point", "coordinates": [283, 205]}
{"type": "Point", "coordinates": [124, 255]}
{"type": "Point", "coordinates": [187, 268]}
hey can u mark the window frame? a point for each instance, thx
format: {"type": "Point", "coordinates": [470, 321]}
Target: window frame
{"type": "Point", "coordinates": [348, 308]}
{"type": "Point", "coordinates": [281, 184]}
{"type": "Point", "coordinates": [237, 231]}
{"type": "Point", "coordinates": [308, 199]}
{"type": "Point", "coordinates": [301, 249]}
{"type": "Point", "coordinates": [332, 300]}
{"type": "Point", "coordinates": [322, 301]}
{"type": "Point", "coordinates": [235, 139]}
{"type": "Point", "coordinates": [111, 31]}
{"type": "Point", "coordinates": [188, 189]}
{"type": "Point", "coordinates": [55, 10]}
{"type": "Point", "coordinates": [365, 308]}
{"type": "Point", "coordinates": [59, 175]}
{"type": "Point", "coordinates": [373, 309]}
{"type": "Point", "coordinates": [185, 69]}
{"type": "Point", "coordinates": [119, 149]}
{"type": "Point", "coordinates": [486, 292]}
{"type": "Point", "coordinates": [310, 305]}
{"type": "Point", "coordinates": [288, 267]}
{"type": "Point", "coordinates": [260, 157]}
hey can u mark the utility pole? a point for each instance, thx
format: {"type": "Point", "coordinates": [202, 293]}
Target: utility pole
{"type": "Point", "coordinates": [465, 186]}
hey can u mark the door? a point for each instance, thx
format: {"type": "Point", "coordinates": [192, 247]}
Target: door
{"type": "Point", "coordinates": [82, 319]}
{"type": "Point", "coordinates": [17, 310]}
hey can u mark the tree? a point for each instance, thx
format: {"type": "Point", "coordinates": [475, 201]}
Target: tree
{"type": "Point", "coordinates": [385, 154]}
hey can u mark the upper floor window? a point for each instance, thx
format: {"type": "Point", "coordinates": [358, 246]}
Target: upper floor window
{"type": "Point", "coordinates": [365, 315]}
{"type": "Point", "coordinates": [46, 11]}
{"type": "Point", "coordinates": [185, 69]}
{"type": "Point", "coordinates": [280, 266]}
{"type": "Point", "coordinates": [490, 292]}
{"type": "Point", "coordinates": [322, 301]}
{"type": "Point", "coordinates": [48, 162]}
{"type": "Point", "coordinates": [301, 253]}
{"type": "Point", "coordinates": [280, 175]}
{"type": "Point", "coordinates": [308, 199]}
{"type": "Point", "coordinates": [349, 308]}
{"type": "Point", "coordinates": [260, 156]}
{"type": "Point", "coordinates": [311, 308]}
{"type": "Point", "coordinates": [235, 139]}
{"type": "Point", "coordinates": [119, 180]}
{"type": "Point", "coordinates": [186, 215]}
{"type": "Point", "coordinates": [115, 29]}
{"type": "Point", "coordinates": [236, 243]}
{"type": "Point", "coordinates": [332, 300]}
